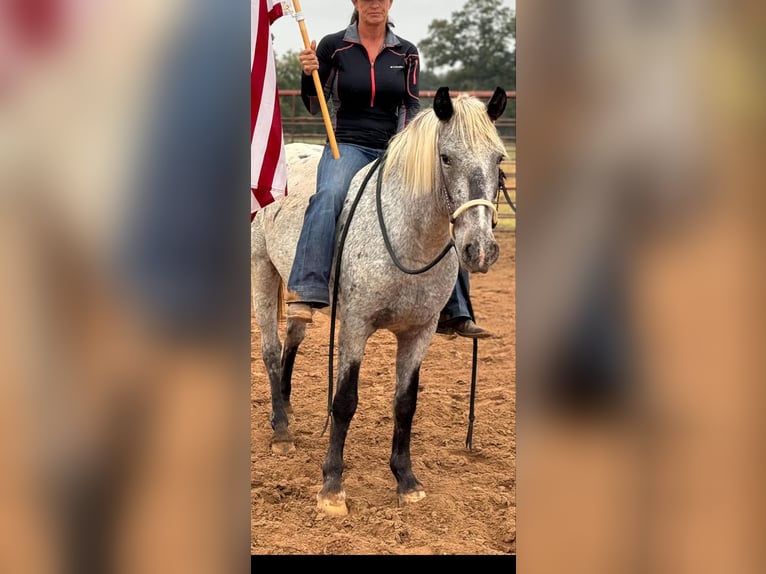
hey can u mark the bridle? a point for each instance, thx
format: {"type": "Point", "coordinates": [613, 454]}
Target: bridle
{"type": "Point", "coordinates": [467, 205]}
{"type": "Point", "coordinates": [455, 213]}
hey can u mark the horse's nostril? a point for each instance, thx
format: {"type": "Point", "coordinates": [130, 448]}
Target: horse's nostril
{"type": "Point", "coordinates": [493, 252]}
{"type": "Point", "coordinates": [472, 252]}
{"type": "Point", "coordinates": [479, 256]}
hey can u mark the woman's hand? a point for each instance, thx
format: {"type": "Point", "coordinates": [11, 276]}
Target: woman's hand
{"type": "Point", "coordinates": [308, 58]}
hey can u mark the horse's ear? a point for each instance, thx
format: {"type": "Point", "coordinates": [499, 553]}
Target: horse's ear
{"type": "Point", "coordinates": [497, 103]}
{"type": "Point", "coordinates": [443, 104]}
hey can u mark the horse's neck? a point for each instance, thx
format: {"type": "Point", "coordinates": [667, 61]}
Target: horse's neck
{"type": "Point", "coordinates": [416, 226]}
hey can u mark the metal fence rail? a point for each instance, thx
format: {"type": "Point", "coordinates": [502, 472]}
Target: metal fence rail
{"type": "Point", "coordinates": [299, 125]}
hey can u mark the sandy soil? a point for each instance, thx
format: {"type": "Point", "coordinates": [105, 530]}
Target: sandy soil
{"type": "Point", "coordinates": [470, 507]}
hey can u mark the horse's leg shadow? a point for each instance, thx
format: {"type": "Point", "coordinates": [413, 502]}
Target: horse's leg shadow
{"type": "Point", "coordinates": [411, 349]}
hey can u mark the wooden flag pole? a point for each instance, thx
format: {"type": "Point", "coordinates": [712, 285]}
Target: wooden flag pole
{"type": "Point", "coordinates": [317, 82]}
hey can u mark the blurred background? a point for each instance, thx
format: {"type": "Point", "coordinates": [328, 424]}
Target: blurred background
{"type": "Point", "coordinates": [124, 385]}
{"type": "Point", "coordinates": [640, 139]}
{"type": "Point", "coordinates": [125, 344]}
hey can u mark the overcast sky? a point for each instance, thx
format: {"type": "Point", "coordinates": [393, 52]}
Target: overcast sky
{"type": "Point", "coordinates": [322, 17]}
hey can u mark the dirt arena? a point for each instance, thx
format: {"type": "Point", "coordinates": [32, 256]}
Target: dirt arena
{"type": "Point", "coordinates": [470, 507]}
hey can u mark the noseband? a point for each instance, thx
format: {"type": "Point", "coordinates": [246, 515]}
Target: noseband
{"type": "Point", "coordinates": [468, 205]}
{"type": "Point", "coordinates": [464, 207]}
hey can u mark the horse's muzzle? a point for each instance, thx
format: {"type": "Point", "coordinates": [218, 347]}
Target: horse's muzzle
{"type": "Point", "coordinates": [478, 256]}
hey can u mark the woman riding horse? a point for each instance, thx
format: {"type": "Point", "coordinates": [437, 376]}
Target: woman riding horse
{"type": "Point", "coordinates": [373, 98]}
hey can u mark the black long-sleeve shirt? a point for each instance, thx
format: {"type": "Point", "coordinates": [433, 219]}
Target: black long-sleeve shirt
{"type": "Point", "coordinates": [369, 101]}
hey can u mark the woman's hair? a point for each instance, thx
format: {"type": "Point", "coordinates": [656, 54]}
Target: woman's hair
{"type": "Point", "coordinates": [355, 19]}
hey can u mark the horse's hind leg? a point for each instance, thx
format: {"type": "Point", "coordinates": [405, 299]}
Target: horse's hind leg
{"type": "Point", "coordinates": [296, 332]}
{"type": "Point", "coordinates": [332, 498]}
{"type": "Point", "coordinates": [266, 284]}
{"type": "Point", "coordinates": [411, 349]}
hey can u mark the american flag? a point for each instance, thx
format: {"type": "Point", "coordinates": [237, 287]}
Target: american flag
{"type": "Point", "coordinates": [268, 172]}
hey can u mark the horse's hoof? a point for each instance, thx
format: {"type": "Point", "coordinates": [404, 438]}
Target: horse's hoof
{"type": "Point", "coordinates": [282, 443]}
{"type": "Point", "coordinates": [282, 448]}
{"type": "Point", "coordinates": [332, 504]}
{"type": "Point", "coordinates": [411, 497]}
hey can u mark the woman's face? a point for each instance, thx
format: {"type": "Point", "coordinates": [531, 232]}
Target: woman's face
{"type": "Point", "coordinates": [373, 12]}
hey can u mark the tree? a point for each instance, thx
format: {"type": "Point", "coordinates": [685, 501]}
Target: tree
{"type": "Point", "coordinates": [477, 46]}
{"type": "Point", "coordinates": [289, 71]}
{"type": "Point", "coordinates": [429, 80]}
{"type": "Point", "coordinates": [289, 78]}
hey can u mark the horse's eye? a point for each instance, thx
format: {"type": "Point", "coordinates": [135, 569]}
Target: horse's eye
{"type": "Point", "coordinates": [445, 159]}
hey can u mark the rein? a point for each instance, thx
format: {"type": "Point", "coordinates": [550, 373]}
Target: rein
{"type": "Point", "coordinates": [339, 251]}
{"type": "Point", "coordinates": [389, 248]}
{"type": "Point", "coordinates": [505, 191]}
{"type": "Point", "coordinates": [338, 254]}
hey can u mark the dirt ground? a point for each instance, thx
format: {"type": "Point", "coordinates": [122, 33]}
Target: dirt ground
{"type": "Point", "coordinates": [470, 507]}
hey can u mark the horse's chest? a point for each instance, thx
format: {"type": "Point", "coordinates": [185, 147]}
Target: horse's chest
{"type": "Point", "coordinates": [373, 286]}
{"type": "Point", "coordinates": [392, 296]}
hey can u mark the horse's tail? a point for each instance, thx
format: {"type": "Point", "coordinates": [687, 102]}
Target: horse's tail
{"type": "Point", "coordinates": [281, 301]}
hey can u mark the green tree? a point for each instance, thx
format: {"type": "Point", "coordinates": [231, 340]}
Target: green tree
{"type": "Point", "coordinates": [477, 46]}
{"type": "Point", "coordinates": [429, 80]}
{"type": "Point", "coordinates": [289, 71]}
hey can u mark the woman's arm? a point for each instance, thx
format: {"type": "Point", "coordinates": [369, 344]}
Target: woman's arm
{"type": "Point", "coordinates": [317, 58]}
{"type": "Point", "coordinates": [411, 102]}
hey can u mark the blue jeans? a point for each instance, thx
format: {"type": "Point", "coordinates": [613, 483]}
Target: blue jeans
{"type": "Point", "coordinates": [457, 305]}
{"type": "Point", "coordinates": [310, 274]}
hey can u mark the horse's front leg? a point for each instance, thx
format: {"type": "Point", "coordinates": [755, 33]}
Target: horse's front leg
{"type": "Point", "coordinates": [411, 349]}
{"type": "Point", "coordinates": [332, 498]}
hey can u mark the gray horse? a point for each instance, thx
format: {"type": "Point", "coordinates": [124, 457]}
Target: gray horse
{"type": "Point", "coordinates": [408, 222]}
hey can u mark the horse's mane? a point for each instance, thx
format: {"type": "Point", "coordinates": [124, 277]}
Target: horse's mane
{"type": "Point", "coordinates": [413, 152]}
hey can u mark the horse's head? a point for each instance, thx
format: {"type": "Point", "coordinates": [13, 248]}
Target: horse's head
{"type": "Point", "coordinates": [469, 152]}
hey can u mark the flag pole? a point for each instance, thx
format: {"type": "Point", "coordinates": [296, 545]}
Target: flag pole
{"type": "Point", "coordinates": [317, 82]}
